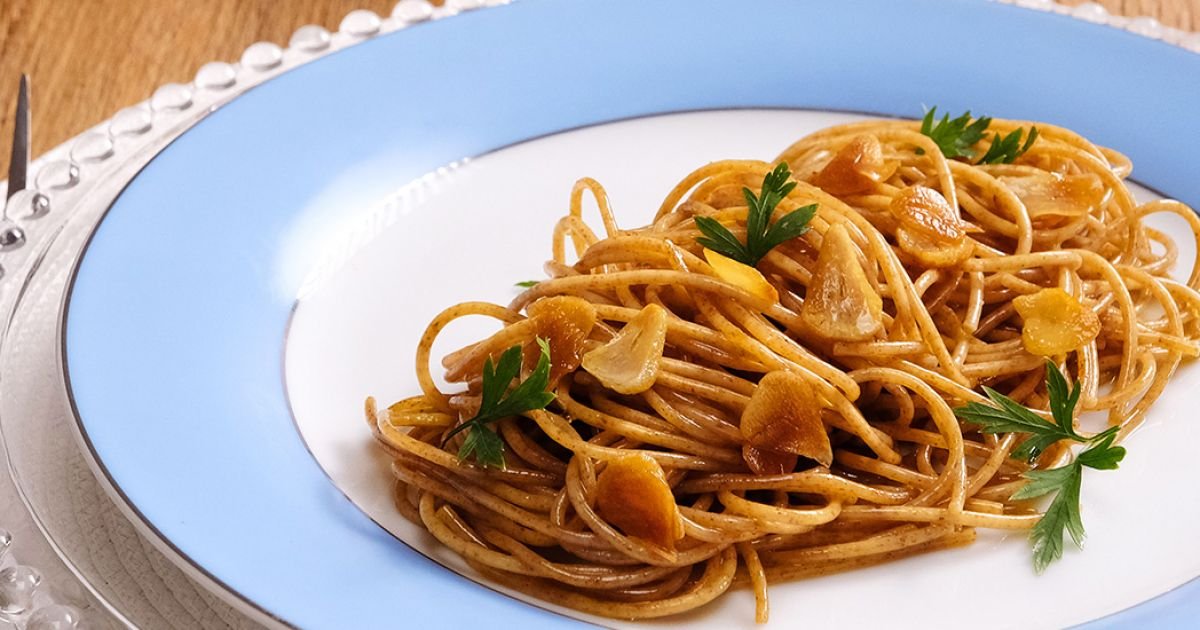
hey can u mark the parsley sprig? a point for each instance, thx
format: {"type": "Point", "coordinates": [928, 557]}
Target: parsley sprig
{"type": "Point", "coordinates": [1006, 415]}
{"type": "Point", "coordinates": [956, 137]}
{"type": "Point", "coordinates": [498, 402]}
{"type": "Point", "coordinates": [526, 284]}
{"type": "Point", "coordinates": [1007, 149]}
{"type": "Point", "coordinates": [761, 235]}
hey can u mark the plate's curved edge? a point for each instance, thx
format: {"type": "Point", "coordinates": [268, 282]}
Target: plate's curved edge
{"type": "Point", "coordinates": [118, 147]}
{"type": "Point", "coordinates": [407, 13]}
{"type": "Point", "coordinates": [1190, 42]}
{"type": "Point", "coordinates": [20, 491]}
{"type": "Point", "coordinates": [1170, 602]}
{"type": "Point", "coordinates": [484, 582]}
{"type": "Point", "coordinates": [101, 472]}
{"type": "Point", "coordinates": [62, 175]}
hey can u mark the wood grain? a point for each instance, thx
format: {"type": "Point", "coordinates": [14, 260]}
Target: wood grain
{"type": "Point", "coordinates": [89, 58]}
{"type": "Point", "coordinates": [1183, 14]}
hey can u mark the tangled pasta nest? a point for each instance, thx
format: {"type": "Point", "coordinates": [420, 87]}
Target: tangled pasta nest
{"type": "Point", "coordinates": [716, 423]}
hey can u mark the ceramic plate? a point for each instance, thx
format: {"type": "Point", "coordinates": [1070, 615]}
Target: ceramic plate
{"type": "Point", "coordinates": [275, 264]}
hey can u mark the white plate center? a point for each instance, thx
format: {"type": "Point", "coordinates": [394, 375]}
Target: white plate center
{"type": "Point", "coordinates": [471, 232]}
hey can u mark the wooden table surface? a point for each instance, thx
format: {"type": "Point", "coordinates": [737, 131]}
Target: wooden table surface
{"type": "Point", "coordinates": [89, 58]}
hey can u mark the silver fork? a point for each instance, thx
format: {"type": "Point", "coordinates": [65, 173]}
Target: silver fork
{"type": "Point", "coordinates": [11, 234]}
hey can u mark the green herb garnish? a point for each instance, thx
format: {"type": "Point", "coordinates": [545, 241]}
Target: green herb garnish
{"type": "Point", "coordinates": [956, 138]}
{"type": "Point", "coordinates": [1006, 415]}
{"type": "Point", "coordinates": [1009, 416]}
{"type": "Point", "coordinates": [761, 235]}
{"type": "Point", "coordinates": [530, 394]}
{"type": "Point", "coordinates": [1007, 149]}
{"type": "Point", "coordinates": [525, 284]}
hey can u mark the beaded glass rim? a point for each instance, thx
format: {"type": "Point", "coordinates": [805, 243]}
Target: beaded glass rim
{"type": "Point", "coordinates": [116, 149]}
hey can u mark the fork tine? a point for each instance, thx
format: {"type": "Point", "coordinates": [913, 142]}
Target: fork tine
{"type": "Point", "coordinates": [18, 165]}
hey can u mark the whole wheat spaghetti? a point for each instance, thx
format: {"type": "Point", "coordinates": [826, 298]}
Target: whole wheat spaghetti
{"type": "Point", "coordinates": [717, 425]}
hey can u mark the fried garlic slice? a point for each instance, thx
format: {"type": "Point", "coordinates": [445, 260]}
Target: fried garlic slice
{"type": "Point", "coordinates": [840, 303]}
{"type": "Point", "coordinates": [784, 416]}
{"type": "Point", "coordinates": [930, 230]}
{"type": "Point", "coordinates": [1055, 322]}
{"type": "Point", "coordinates": [565, 322]}
{"type": "Point", "coordinates": [741, 275]}
{"type": "Point", "coordinates": [855, 168]}
{"type": "Point", "coordinates": [632, 495]}
{"type": "Point", "coordinates": [628, 364]}
{"type": "Point", "coordinates": [1053, 195]}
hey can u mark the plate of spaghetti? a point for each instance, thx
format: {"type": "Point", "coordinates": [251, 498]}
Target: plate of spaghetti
{"type": "Point", "coordinates": [793, 329]}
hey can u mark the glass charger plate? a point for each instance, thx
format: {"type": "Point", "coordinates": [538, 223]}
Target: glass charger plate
{"type": "Point", "coordinates": [179, 389]}
{"type": "Point", "coordinates": [113, 575]}
{"type": "Point", "coordinates": [71, 538]}
{"type": "Point", "coordinates": [116, 576]}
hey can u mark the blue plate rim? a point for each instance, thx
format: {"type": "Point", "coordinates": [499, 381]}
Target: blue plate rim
{"type": "Point", "coordinates": [212, 582]}
{"type": "Point", "coordinates": [143, 521]}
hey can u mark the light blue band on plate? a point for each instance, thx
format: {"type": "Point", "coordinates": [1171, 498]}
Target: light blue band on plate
{"type": "Point", "coordinates": [175, 326]}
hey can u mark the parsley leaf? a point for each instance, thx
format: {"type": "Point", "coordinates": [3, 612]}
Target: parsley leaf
{"type": "Point", "coordinates": [1103, 456]}
{"type": "Point", "coordinates": [485, 445]}
{"type": "Point", "coordinates": [1063, 516]}
{"type": "Point", "coordinates": [1007, 149]}
{"type": "Point", "coordinates": [1006, 415]}
{"type": "Point", "coordinates": [528, 395]}
{"type": "Point", "coordinates": [525, 284]}
{"type": "Point", "coordinates": [954, 137]}
{"type": "Point", "coordinates": [1063, 513]}
{"type": "Point", "coordinates": [1043, 482]}
{"type": "Point", "coordinates": [761, 235]}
